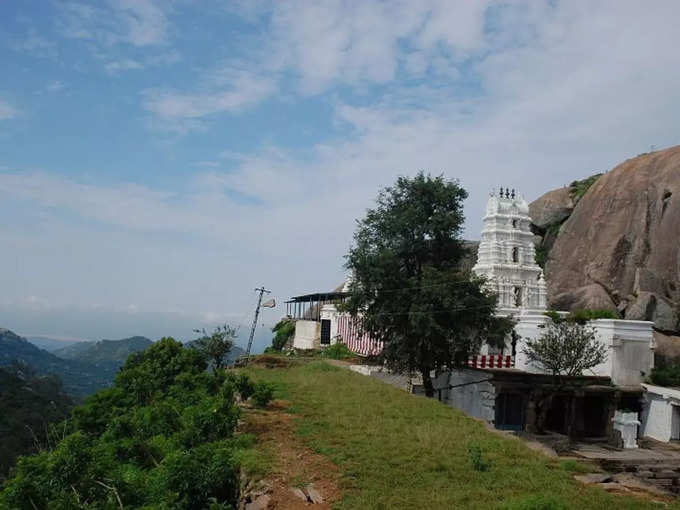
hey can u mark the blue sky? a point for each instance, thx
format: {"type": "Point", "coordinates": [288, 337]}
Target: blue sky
{"type": "Point", "coordinates": [159, 160]}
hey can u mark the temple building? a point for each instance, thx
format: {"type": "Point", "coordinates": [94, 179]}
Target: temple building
{"type": "Point", "coordinates": [506, 255]}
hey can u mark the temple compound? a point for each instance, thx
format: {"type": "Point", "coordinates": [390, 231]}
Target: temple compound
{"type": "Point", "coordinates": [500, 386]}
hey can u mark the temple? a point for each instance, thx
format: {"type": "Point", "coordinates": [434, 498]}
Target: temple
{"type": "Point", "coordinates": [506, 255]}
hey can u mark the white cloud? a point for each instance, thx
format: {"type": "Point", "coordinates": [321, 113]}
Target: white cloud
{"type": "Point", "coordinates": [127, 64]}
{"type": "Point", "coordinates": [228, 90]}
{"type": "Point", "coordinates": [7, 111]}
{"type": "Point", "coordinates": [134, 22]}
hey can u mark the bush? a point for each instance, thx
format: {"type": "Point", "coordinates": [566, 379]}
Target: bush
{"type": "Point", "coordinates": [337, 351]}
{"type": "Point", "coordinates": [161, 437]}
{"type": "Point", "coordinates": [244, 386]}
{"type": "Point", "coordinates": [583, 316]}
{"type": "Point", "coordinates": [284, 331]}
{"type": "Point", "coordinates": [263, 394]}
{"type": "Point", "coordinates": [665, 375]}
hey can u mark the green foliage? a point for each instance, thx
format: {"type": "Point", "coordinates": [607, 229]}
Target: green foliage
{"type": "Point", "coordinates": [579, 188]}
{"type": "Point", "coordinates": [284, 331]}
{"type": "Point", "coordinates": [583, 316]}
{"type": "Point", "coordinates": [554, 316]}
{"type": "Point", "coordinates": [263, 394]}
{"type": "Point", "coordinates": [566, 348]}
{"type": "Point", "coordinates": [666, 374]}
{"type": "Point", "coordinates": [244, 386]}
{"type": "Point", "coordinates": [30, 408]}
{"type": "Point", "coordinates": [216, 346]}
{"type": "Point", "coordinates": [541, 256]}
{"type": "Point", "coordinates": [537, 502]}
{"type": "Point", "coordinates": [408, 286]}
{"type": "Point", "coordinates": [161, 437]}
{"type": "Point", "coordinates": [477, 459]}
{"type": "Point", "coordinates": [337, 351]}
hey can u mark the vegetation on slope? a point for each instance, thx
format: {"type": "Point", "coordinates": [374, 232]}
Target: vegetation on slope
{"type": "Point", "coordinates": [29, 406]}
{"type": "Point", "coordinates": [579, 188]}
{"type": "Point", "coordinates": [104, 351]}
{"type": "Point", "coordinates": [79, 378]}
{"type": "Point", "coordinates": [401, 451]}
{"type": "Point", "coordinates": [161, 437]}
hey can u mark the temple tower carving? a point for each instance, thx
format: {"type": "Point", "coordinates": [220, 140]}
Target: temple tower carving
{"type": "Point", "coordinates": [506, 255]}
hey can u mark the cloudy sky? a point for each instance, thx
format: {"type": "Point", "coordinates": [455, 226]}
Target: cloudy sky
{"type": "Point", "coordinates": [160, 159]}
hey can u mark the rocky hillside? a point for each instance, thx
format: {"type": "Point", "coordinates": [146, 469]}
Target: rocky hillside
{"type": "Point", "coordinates": [611, 242]}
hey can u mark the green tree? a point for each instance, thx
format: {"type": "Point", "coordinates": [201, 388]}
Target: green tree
{"type": "Point", "coordinates": [283, 332]}
{"type": "Point", "coordinates": [408, 287]}
{"type": "Point", "coordinates": [566, 348]}
{"type": "Point", "coordinates": [216, 346]}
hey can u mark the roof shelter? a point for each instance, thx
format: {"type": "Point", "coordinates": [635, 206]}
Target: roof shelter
{"type": "Point", "coordinates": [308, 306]}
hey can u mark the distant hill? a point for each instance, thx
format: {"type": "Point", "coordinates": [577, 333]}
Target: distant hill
{"type": "Point", "coordinates": [80, 379]}
{"type": "Point", "coordinates": [104, 351]}
{"type": "Point", "coordinates": [50, 344]}
{"type": "Point", "coordinates": [28, 403]}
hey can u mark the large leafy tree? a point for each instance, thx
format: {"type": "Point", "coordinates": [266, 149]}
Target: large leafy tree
{"type": "Point", "coordinates": [408, 287]}
{"type": "Point", "coordinates": [217, 345]}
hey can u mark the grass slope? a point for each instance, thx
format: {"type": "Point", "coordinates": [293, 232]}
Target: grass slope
{"type": "Point", "coordinates": [401, 451]}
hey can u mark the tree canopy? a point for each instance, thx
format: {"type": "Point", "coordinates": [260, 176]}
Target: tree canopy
{"type": "Point", "coordinates": [408, 286]}
{"type": "Point", "coordinates": [216, 346]}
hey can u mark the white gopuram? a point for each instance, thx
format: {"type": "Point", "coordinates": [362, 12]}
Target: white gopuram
{"type": "Point", "coordinates": [506, 255]}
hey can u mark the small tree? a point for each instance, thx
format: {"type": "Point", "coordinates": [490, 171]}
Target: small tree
{"type": "Point", "coordinates": [217, 346]}
{"type": "Point", "coordinates": [283, 332]}
{"type": "Point", "coordinates": [566, 349]}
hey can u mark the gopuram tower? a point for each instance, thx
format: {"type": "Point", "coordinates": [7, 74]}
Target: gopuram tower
{"type": "Point", "coordinates": [506, 255]}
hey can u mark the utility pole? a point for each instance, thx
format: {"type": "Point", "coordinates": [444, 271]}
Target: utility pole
{"type": "Point", "coordinates": [262, 291]}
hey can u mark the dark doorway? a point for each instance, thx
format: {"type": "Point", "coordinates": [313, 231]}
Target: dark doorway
{"type": "Point", "coordinates": [595, 416]}
{"type": "Point", "coordinates": [325, 331]}
{"type": "Point", "coordinates": [509, 410]}
{"type": "Point", "coordinates": [556, 418]}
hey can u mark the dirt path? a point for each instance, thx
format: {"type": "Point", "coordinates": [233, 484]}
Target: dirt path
{"type": "Point", "coordinates": [300, 478]}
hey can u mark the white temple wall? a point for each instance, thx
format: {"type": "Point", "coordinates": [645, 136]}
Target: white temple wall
{"type": "Point", "coordinates": [330, 312]}
{"type": "Point", "coordinates": [307, 334]}
{"type": "Point", "coordinates": [630, 347]}
{"type": "Point", "coordinates": [660, 416]}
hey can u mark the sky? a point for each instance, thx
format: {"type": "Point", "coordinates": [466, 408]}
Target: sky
{"type": "Point", "coordinates": [161, 159]}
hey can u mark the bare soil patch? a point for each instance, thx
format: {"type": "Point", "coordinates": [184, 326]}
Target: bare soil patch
{"type": "Point", "coordinates": [295, 466]}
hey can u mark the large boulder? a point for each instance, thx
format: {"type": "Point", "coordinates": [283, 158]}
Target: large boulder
{"type": "Point", "coordinates": [586, 297]}
{"type": "Point", "coordinates": [622, 237]}
{"type": "Point", "coordinates": [551, 208]}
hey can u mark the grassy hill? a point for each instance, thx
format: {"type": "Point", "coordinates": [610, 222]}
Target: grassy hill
{"type": "Point", "coordinates": [396, 450]}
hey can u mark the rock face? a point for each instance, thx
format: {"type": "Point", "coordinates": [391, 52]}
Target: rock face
{"type": "Point", "coordinates": [552, 208]}
{"type": "Point", "coordinates": [619, 247]}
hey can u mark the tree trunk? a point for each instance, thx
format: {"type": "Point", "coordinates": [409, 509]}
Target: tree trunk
{"type": "Point", "coordinates": [427, 382]}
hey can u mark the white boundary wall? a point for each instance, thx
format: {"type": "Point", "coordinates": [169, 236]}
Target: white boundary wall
{"type": "Point", "coordinates": [661, 414]}
{"type": "Point", "coordinates": [630, 347]}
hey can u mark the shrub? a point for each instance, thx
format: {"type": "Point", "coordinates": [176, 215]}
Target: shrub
{"type": "Point", "coordinates": [476, 459]}
{"type": "Point", "coordinates": [337, 351]}
{"type": "Point", "coordinates": [583, 316]}
{"type": "Point", "coordinates": [263, 394]}
{"type": "Point", "coordinates": [244, 386]}
{"type": "Point", "coordinates": [665, 375]}
{"type": "Point", "coordinates": [284, 331]}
